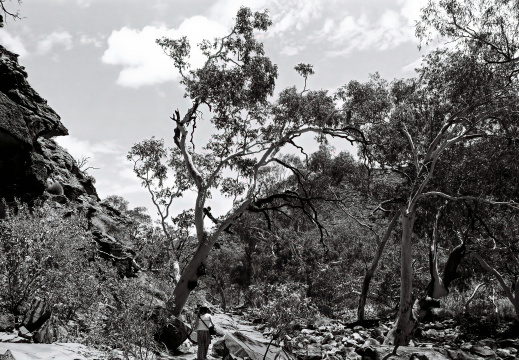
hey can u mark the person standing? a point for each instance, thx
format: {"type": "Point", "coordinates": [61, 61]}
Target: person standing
{"type": "Point", "coordinates": [202, 324]}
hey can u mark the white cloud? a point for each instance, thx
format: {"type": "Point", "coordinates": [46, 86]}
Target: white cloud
{"type": "Point", "coordinates": [293, 15]}
{"type": "Point", "coordinates": [12, 43]}
{"type": "Point", "coordinates": [363, 33]}
{"type": "Point", "coordinates": [411, 9]}
{"type": "Point", "coordinates": [61, 38]}
{"type": "Point", "coordinates": [225, 10]}
{"type": "Point", "coordinates": [144, 62]}
{"type": "Point", "coordinates": [84, 3]}
{"type": "Point", "coordinates": [287, 15]}
{"type": "Point", "coordinates": [90, 40]}
{"type": "Point", "coordinates": [84, 148]}
{"type": "Point", "coordinates": [291, 50]}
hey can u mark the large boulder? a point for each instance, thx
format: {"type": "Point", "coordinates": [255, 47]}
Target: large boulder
{"type": "Point", "coordinates": [7, 356]}
{"type": "Point", "coordinates": [38, 313]}
{"type": "Point", "coordinates": [243, 346]}
{"type": "Point", "coordinates": [173, 334]}
{"type": "Point", "coordinates": [50, 332]}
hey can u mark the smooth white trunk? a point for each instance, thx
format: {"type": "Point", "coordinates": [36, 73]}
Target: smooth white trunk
{"type": "Point", "coordinates": [405, 324]}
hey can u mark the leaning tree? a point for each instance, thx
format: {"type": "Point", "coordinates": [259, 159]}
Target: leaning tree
{"type": "Point", "coordinates": [231, 96]}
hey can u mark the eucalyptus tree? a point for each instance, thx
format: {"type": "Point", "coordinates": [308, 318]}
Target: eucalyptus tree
{"type": "Point", "coordinates": [455, 102]}
{"type": "Point", "coordinates": [489, 31]}
{"type": "Point", "coordinates": [234, 90]}
{"type": "Point", "coordinates": [488, 28]}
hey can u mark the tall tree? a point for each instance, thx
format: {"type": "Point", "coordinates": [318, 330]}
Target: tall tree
{"type": "Point", "coordinates": [456, 100]}
{"type": "Point", "coordinates": [234, 87]}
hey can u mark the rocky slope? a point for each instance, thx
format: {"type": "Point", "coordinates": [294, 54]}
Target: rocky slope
{"type": "Point", "coordinates": [34, 167]}
{"type": "Point", "coordinates": [29, 158]}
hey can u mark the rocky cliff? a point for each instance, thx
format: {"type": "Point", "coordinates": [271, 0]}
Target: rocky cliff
{"type": "Point", "coordinates": [29, 158]}
{"type": "Point", "coordinates": [33, 167]}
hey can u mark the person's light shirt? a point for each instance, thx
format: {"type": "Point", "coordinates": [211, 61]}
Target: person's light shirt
{"type": "Point", "coordinates": [207, 319]}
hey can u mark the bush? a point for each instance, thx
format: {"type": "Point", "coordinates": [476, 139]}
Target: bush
{"type": "Point", "coordinates": [129, 322]}
{"type": "Point", "coordinates": [45, 253]}
{"type": "Point", "coordinates": [48, 252]}
{"type": "Point", "coordinates": [283, 305]}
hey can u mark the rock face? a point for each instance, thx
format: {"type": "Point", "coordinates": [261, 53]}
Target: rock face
{"type": "Point", "coordinates": [25, 117]}
{"type": "Point", "coordinates": [33, 167]}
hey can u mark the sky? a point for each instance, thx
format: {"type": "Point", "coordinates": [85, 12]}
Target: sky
{"type": "Point", "coordinates": [97, 64]}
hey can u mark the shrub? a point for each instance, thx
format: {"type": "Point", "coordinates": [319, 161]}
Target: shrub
{"type": "Point", "coordinates": [48, 252]}
{"type": "Point", "coordinates": [129, 322]}
{"type": "Point", "coordinates": [283, 305]}
{"type": "Point", "coordinates": [45, 253]}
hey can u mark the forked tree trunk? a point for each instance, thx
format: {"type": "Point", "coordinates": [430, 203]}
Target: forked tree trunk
{"type": "Point", "coordinates": [374, 264]}
{"type": "Point", "coordinates": [405, 324]}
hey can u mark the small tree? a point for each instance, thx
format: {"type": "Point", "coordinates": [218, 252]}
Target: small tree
{"type": "Point", "coordinates": [235, 86]}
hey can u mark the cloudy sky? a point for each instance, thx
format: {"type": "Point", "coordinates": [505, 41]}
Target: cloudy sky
{"type": "Point", "coordinates": [97, 64]}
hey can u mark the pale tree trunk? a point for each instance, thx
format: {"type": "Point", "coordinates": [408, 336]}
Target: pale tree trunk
{"type": "Point", "coordinates": [219, 286]}
{"type": "Point", "coordinates": [374, 264]}
{"type": "Point", "coordinates": [512, 296]}
{"type": "Point", "coordinates": [406, 321]}
{"type": "Point", "coordinates": [196, 266]}
{"type": "Point", "coordinates": [189, 277]}
{"type": "Point", "coordinates": [469, 300]}
{"type": "Point", "coordinates": [176, 271]}
{"type": "Point", "coordinates": [221, 291]}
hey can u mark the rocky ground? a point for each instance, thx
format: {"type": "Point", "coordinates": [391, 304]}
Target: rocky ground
{"type": "Point", "coordinates": [331, 340]}
{"type": "Point", "coordinates": [335, 340]}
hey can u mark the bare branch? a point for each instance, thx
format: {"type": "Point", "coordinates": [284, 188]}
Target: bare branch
{"type": "Point", "coordinates": [512, 204]}
{"type": "Point", "coordinates": [496, 274]}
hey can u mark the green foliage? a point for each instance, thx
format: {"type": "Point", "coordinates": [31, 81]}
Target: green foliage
{"type": "Point", "coordinates": [45, 252]}
{"type": "Point", "coordinates": [486, 27]}
{"type": "Point", "coordinates": [236, 74]}
{"type": "Point", "coordinates": [129, 322]}
{"type": "Point", "coordinates": [282, 306]}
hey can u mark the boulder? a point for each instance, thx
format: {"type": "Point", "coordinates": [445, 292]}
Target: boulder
{"type": "Point", "coordinates": [485, 351]}
{"type": "Point", "coordinates": [4, 337]}
{"type": "Point", "coordinates": [7, 356]}
{"type": "Point", "coordinates": [243, 346]}
{"type": "Point", "coordinates": [23, 332]}
{"type": "Point", "coordinates": [219, 348]}
{"type": "Point", "coordinates": [415, 353]}
{"type": "Point", "coordinates": [38, 313]}
{"type": "Point", "coordinates": [310, 353]}
{"type": "Point", "coordinates": [173, 334]}
{"type": "Point", "coordinates": [46, 334]}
